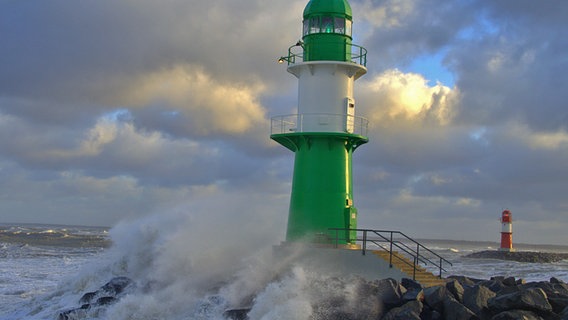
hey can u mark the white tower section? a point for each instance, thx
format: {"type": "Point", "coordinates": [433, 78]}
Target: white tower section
{"type": "Point", "coordinates": [325, 95]}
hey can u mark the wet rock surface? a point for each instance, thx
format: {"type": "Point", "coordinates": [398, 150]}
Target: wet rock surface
{"type": "Point", "coordinates": [108, 294]}
{"type": "Point", "coordinates": [498, 298]}
{"type": "Point", "coordinates": [520, 256]}
{"type": "Point", "coordinates": [461, 298]}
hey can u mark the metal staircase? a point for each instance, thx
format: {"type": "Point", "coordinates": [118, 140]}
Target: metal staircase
{"type": "Point", "coordinates": [399, 250]}
{"type": "Point", "coordinates": [418, 273]}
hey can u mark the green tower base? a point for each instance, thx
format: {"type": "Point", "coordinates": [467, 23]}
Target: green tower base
{"type": "Point", "coordinates": [322, 189]}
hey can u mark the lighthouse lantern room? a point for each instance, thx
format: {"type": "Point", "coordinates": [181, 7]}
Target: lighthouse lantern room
{"type": "Point", "coordinates": [325, 131]}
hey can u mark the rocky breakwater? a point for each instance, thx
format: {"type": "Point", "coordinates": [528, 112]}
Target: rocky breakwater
{"type": "Point", "coordinates": [354, 298]}
{"type": "Point", "coordinates": [520, 256]}
{"type": "Point", "coordinates": [461, 298]}
{"type": "Point", "coordinates": [498, 298]}
{"type": "Point", "coordinates": [94, 302]}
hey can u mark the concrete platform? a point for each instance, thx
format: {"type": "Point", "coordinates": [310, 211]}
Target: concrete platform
{"type": "Point", "coordinates": [350, 261]}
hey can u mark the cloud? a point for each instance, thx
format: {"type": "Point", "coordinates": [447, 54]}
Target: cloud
{"type": "Point", "coordinates": [391, 14]}
{"type": "Point", "coordinates": [193, 102]}
{"type": "Point", "coordinates": [398, 96]}
{"type": "Point", "coordinates": [118, 109]}
{"type": "Point", "coordinates": [516, 68]}
{"type": "Point", "coordinates": [555, 140]}
{"type": "Point", "coordinates": [395, 32]}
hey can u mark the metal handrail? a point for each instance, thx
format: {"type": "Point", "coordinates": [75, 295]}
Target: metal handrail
{"type": "Point", "coordinates": [361, 55]}
{"type": "Point", "coordinates": [295, 122]}
{"type": "Point", "coordinates": [415, 254]}
{"type": "Point", "coordinates": [358, 54]}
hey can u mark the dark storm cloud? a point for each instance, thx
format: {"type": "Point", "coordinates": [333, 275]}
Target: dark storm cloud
{"type": "Point", "coordinates": [84, 43]}
{"type": "Point", "coordinates": [129, 107]}
{"type": "Point", "coordinates": [520, 66]}
{"type": "Point", "coordinates": [403, 30]}
{"type": "Point", "coordinates": [497, 139]}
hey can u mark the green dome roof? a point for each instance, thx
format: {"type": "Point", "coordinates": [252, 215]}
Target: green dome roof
{"type": "Point", "coordinates": [339, 7]}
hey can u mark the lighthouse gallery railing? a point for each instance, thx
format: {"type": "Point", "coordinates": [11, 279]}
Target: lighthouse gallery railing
{"type": "Point", "coordinates": [395, 240]}
{"type": "Point", "coordinates": [358, 54]}
{"type": "Point", "coordinates": [335, 122]}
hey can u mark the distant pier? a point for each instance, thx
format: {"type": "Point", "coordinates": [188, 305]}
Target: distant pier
{"type": "Point", "coordinates": [520, 256]}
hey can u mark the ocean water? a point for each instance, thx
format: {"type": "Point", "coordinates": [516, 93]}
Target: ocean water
{"type": "Point", "coordinates": [181, 270]}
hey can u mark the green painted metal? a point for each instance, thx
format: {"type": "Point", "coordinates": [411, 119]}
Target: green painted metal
{"type": "Point", "coordinates": [340, 7]}
{"type": "Point", "coordinates": [327, 30]}
{"type": "Point", "coordinates": [322, 188]}
{"type": "Point", "coordinates": [326, 36]}
{"type": "Point", "coordinates": [332, 47]}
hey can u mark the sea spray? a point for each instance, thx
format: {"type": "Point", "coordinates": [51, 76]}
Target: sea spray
{"type": "Point", "coordinates": [178, 280]}
{"type": "Point", "coordinates": [183, 270]}
{"type": "Point", "coordinates": [179, 262]}
{"type": "Point", "coordinates": [310, 294]}
{"type": "Point", "coordinates": [182, 265]}
{"type": "Point", "coordinates": [259, 269]}
{"type": "Point", "coordinates": [285, 299]}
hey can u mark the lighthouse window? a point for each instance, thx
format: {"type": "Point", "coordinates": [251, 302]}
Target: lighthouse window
{"type": "Point", "coordinates": [327, 24]}
{"type": "Point", "coordinates": [339, 25]}
{"type": "Point", "coordinates": [314, 25]}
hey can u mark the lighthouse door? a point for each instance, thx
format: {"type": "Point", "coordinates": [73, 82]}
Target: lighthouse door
{"type": "Point", "coordinates": [349, 115]}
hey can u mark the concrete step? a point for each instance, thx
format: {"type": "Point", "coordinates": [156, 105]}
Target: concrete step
{"type": "Point", "coordinates": [422, 276]}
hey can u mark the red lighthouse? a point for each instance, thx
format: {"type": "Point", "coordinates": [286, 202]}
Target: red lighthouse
{"type": "Point", "coordinates": [506, 231]}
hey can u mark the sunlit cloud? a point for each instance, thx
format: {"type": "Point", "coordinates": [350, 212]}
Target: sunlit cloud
{"type": "Point", "coordinates": [554, 140]}
{"type": "Point", "coordinates": [208, 106]}
{"type": "Point", "coordinates": [438, 180]}
{"type": "Point", "coordinates": [406, 198]}
{"type": "Point", "coordinates": [389, 14]}
{"type": "Point", "coordinates": [407, 96]}
{"type": "Point", "coordinates": [539, 140]}
{"type": "Point", "coordinates": [468, 202]}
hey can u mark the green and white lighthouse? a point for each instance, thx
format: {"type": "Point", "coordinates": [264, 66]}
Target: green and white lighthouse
{"type": "Point", "coordinates": [325, 131]}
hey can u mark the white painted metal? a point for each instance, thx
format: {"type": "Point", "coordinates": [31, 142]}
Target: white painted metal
{"type": "Point", "coordinates": [325, 88]}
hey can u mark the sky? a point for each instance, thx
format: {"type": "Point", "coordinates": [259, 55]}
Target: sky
{"type": "Point", "coordinates": [116, 110]}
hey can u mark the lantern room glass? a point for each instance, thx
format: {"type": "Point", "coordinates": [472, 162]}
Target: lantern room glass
{"type": "Point", "coordinates": [339, 24]}
{"type": "Point", "coordinates": [327, 24]}
{"type": "Point", "coordinates": [314, 25]}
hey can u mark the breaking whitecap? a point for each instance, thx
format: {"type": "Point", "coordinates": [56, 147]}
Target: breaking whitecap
{"type": "Point", "coordinates": [177, 272]}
